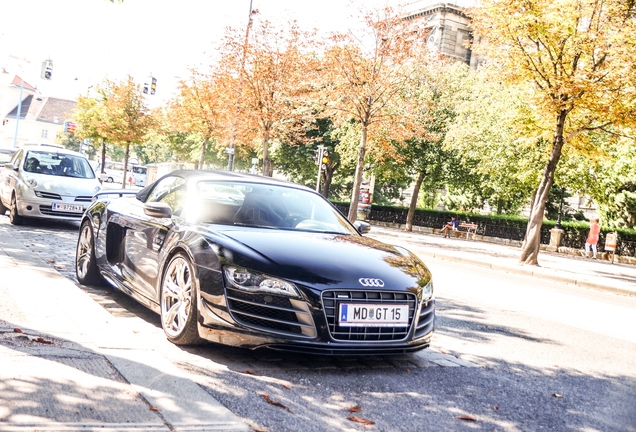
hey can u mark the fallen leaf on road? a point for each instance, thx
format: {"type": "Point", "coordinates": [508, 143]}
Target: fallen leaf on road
{"type": "Point", "coordinates": [17, 330]}
{"type": "Point", "coordinates": [557, 395]}
{"type": "Point", "coordinates": [152, 408]}
{"type": "Point", "coordinates": [442, 351]}
{"type": "Point", "coordinates": [273, 402]}
{"type": "Point", "coordinates": [51, 260]}
{"type": "Point", "coordinates": [248, 372]}
{"type": "Point", "coordinates": [356, 408]}
{"type": "Point", "coordinates": [259, 430]}
{"type": "Point", "coordinates": [360, 420]}
{"type": "Point", "coordinates": [39, 339]}
{"type": "Point", "coordinates": [496, 408]}
{"type": "Point", "coordinates": [466, 417]}
{"type": "Point", "coordinates": [288, 387]}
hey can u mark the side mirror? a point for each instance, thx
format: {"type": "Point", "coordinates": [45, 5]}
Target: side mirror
{"type": "Point", "coordinates": [362, 227]}
{"type": "Point", "coordinates": [9, 165]}
{"type": "Point", "coordinates": [158, 210]}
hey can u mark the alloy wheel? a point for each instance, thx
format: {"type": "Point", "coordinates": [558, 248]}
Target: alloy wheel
{"type": "Point", "coordinates": [177, 296]}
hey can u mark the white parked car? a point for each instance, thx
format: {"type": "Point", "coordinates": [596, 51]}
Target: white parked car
{"type": "Point", "coordinates": [47, 182]}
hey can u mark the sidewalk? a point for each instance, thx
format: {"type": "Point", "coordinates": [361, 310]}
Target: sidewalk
{"type": "Point", "coordinates": [67, 365]}
{"type": "Point", "coordinates": [596, 274]}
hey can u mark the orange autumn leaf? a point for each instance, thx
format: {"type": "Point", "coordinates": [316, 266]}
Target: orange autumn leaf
{"type": "Point", "coordinates": [17, 330]}
{"type": "Point", "coordinates": [288, 387]}
{"type": "Point", "coordinates": [355, 408]}
{"type": "Point", "coordinates": [152, 408]}
{"type": "Point", "coordinates": [273, 402]}
{"type": "Point", "coordinates": [248, 372]}
{"type": "Point", "coordinates": [466, 417]}
{"type": "Point", "coordinates": [360, 420]}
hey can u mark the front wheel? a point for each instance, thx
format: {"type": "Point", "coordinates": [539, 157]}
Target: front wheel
{"type": "Point", "coordinates": [179, 301]}
{"type": "Point", "coordinates": [85, 261]}
{"type": "Point", "coordinates": [14, 216]}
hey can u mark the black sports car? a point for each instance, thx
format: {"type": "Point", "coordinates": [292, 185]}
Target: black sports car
{"type": "Point", "coordinates": [255, 262]}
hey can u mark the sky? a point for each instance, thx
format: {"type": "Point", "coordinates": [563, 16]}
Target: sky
{"type": "Point", "coordinates": [89, 40]}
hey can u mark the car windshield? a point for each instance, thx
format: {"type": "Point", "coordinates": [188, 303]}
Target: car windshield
{"type": "Point", "coordinates": [264, 206]}
{"type": "Point", "coordinates": [58, 164]}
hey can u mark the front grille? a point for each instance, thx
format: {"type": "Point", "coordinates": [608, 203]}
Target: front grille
{"type": "Point", "coordinates": [47, 210]}
{"type": "Point", "coordinates": [48, 195]}
{"type": "Point", "coordinates": [332, 299]}
{"type": "Point", "coordinates": [84, 199]}
{"type": "Point", "coordinates": [271, 313]}
{"type": "Point", "coordinates": [425, 319]}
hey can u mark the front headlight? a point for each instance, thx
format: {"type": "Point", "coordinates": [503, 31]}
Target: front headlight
{"type": "Point", "coordinates": [33, 183]}
{"type": "Point", "coordinates": [427, 291]}
{"type": "Point", "coordinates": [250, 281]}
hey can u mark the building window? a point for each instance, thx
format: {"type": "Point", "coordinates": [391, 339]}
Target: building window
{"type": "Point", "coordinates": [45, 133]}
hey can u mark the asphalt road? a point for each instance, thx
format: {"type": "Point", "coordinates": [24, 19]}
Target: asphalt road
{"type": "Point", "coordinates": [511, 353]}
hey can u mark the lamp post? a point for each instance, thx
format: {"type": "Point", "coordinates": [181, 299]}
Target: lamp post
{"type": "Point", "coordinates": [230, 150]}
{"type": "Point", "coordinates": [17, 118]}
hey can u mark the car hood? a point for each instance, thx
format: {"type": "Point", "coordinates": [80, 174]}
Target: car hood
{"type": "Point", "coordinates": [65, 186]}
{"type": "Point", "coordinates": [327, 260]}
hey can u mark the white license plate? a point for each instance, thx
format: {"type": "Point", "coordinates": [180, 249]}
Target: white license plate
{"type": "Point", "coordinates": [373, 315]}
{"type": "Point", "coordinates": [68, 208]}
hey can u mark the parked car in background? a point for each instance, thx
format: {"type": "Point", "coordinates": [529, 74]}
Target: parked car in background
{"type": "Point", "coordinates": [254, 262]}
{"type": "Point", "coordinates": [139, 175]}
{"type": "Point", "coordinates": [5, 156]}
{"type": "Point", "coordinates": [46, 182]}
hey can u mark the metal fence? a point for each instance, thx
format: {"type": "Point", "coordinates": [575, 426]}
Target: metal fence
{"type": "Point", "coordinates": [510, 231]}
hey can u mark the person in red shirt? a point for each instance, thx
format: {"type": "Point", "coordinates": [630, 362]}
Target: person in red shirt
{"type": "Point", "coordinates": [592, 238]}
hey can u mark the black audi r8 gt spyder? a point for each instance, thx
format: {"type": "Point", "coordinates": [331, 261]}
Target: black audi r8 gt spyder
{"type": "Point", "coordinates": [253, 262]}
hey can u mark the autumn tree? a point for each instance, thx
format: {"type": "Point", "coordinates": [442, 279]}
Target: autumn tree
{"type": "Point", "coordinates": [364, 74]}
{"type": "Point", "coordinates": [269, 69]}
{"type": "Point", "coordinates": [578, 55]}
{"type": "Point", "coordinates": [198, 109]}
{"type": "Point", "coordinates": [88, 115]}
{"type": "Point", "coordinates": [126, 119]}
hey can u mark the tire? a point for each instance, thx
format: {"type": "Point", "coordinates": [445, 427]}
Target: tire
{"type": "Point", "coordinates": [178, 301]}
{"type": "Point", "coordinates": [14, 216]}
{"type": "Point", "coordinates": [110, 180]}
{"type": "Point", "coordinates": [85, 261]}
{"type": "Point", "coordinates": [3, 208]}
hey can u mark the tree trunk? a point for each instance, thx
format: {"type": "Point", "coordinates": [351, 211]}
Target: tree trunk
{"type": "Point", "coordinates": [416, 192]}
{"type": "Point", "coordinates": [204, 147]}
{"type": "Point", "coordinates": [266, 162]}
{"type": "Point", "coordinates": [353, 207]}
{"type": "Point", "coordinates": [530, 250]}
{"type": "Point", "coordinates": [103, 156]}
{"type": "Point", "coordinates": [125, 179]}
{"type": "Point", "coordinates": [500, 203]}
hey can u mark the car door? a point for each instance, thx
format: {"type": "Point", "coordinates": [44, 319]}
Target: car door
{"type": "Point", "coordinates": [145, 236]}
{"type": "Point", "coordinates": [9, 178]}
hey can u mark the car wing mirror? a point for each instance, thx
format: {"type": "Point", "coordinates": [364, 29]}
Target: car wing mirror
{"type": "Point", "coordinates": [158, 210]}
{"type": "Point", "coordinates": [9, 165]}
{"type": "Point", "coordinates": [362, 227]}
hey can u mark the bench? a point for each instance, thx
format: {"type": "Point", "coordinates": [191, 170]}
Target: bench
{"type": "Point", "coordinates": [469, 227]}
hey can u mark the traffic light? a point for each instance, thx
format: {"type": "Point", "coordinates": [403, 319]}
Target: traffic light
{"type": "Point", "coordinates": [47, 69]}
{"type": "Point", "coordinates": [146, 87]}
{"type": "Point", "coordinates": [153, 86]}
{"type": "Point", "coordinates": [325, 160]}
{"type": "Point", "coordinates": [316, 157]}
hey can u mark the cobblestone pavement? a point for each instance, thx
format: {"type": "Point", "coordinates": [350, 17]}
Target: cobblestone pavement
{"type": "Point", "coordinates": [55, 242]}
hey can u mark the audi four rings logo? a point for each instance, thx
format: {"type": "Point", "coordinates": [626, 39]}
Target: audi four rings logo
{"type": "Point", "coordinates": [367, 282]}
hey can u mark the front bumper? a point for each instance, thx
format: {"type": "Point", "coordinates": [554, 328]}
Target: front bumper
{"type": "Point", "coordinates": [35, 207]}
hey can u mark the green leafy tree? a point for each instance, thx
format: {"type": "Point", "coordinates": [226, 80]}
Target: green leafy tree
{"type": "Point", "coordinates": [578, 56]}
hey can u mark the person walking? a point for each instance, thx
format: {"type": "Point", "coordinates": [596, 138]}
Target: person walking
{"type": "Point", "coordinates": [592, 238]}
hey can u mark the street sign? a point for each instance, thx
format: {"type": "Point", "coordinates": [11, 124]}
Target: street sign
{"type": "Point", "coordinates": [610, 241]}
